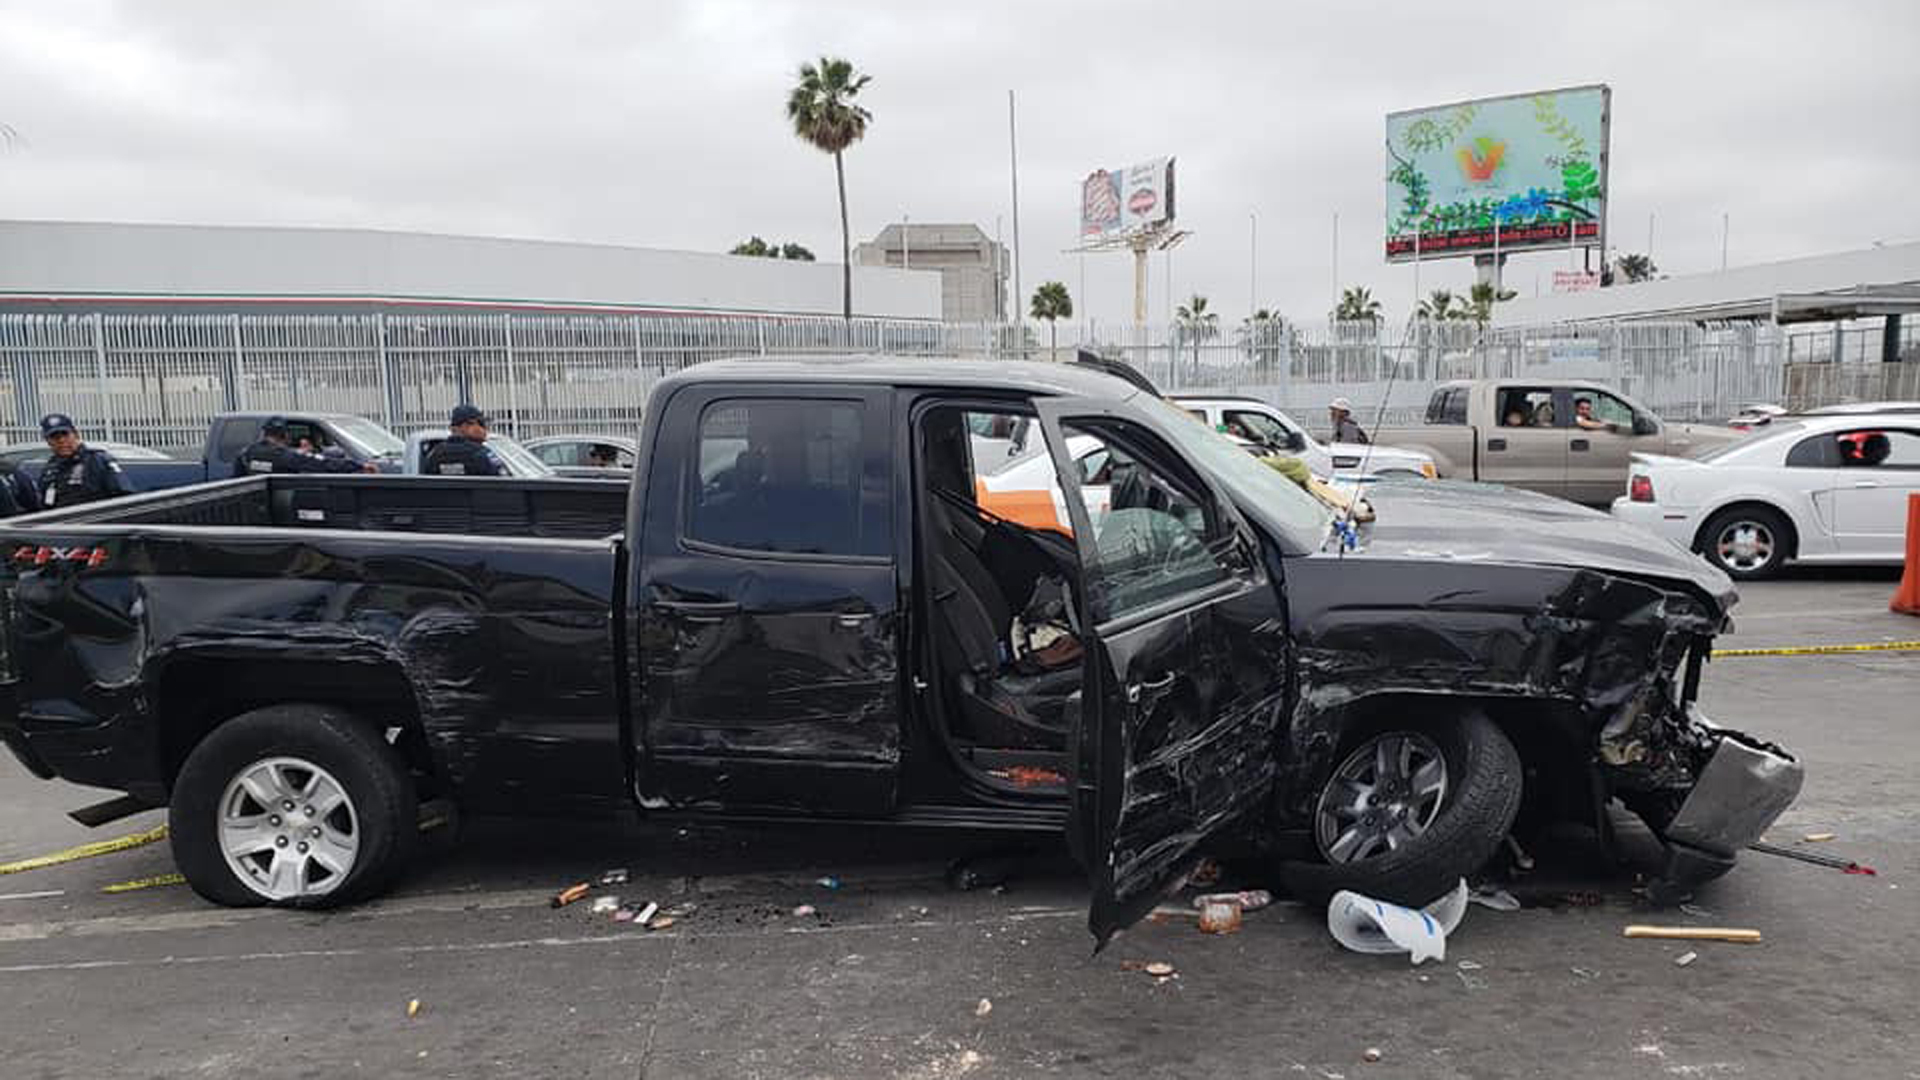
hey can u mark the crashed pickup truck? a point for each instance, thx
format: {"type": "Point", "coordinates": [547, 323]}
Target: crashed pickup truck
{"type": "Point", "coordinates": [800, 610]}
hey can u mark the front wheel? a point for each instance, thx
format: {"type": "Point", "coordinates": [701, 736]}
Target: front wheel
{"type": "Point", "coordinates": [1748, 542]}
{"type": "Point", "coordinates": [294, 806]}
{"type": "Point", "coordinates": [1410, 809]}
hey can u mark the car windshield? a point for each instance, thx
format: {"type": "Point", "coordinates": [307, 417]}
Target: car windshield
{"type": "Point", "coordinates": [368, 438]}
{"type": "Point", "coordinates": [1775, 430]}
{"type": "Point", "coordinates": [1253, 485]}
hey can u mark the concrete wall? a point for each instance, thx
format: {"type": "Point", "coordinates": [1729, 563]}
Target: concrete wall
{"type": "Point", "coordinates": [45, 263]}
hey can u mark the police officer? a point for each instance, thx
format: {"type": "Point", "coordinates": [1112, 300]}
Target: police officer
{"type": "Point", "coordinates": [464, 452]}
{"type": "Point", "coordinates": [76, 473]}
{"type": "Point", "coordinates": [272, 454]}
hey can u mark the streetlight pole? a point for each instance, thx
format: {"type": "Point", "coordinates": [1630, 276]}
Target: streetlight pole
{"type": "Point", "coordinates": [1253, 262]}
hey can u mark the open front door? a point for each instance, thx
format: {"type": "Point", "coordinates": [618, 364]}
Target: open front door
{"type": "Point", "coordinates": [1185, 643]}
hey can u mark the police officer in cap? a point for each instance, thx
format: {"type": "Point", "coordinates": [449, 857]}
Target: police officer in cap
{"type": "Point", "coordinates": [76, 473]}
{"type": "Point", "coordinates": [464, 452]}
{"type": "Point", "coordinates": [272, 454]}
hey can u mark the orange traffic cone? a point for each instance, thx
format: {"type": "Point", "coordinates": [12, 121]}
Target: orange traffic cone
{"type": "Point", "coordinates": [1906, 599]}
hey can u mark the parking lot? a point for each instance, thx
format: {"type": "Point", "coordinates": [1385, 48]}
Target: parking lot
{"type": "Point", "coordinates": [893, 973]}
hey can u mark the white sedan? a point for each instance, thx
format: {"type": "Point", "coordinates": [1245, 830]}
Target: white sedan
{"type": "Point", "coordinates": [1804, 489]}
{"type": "Point", "coordinates": [1255, 420]}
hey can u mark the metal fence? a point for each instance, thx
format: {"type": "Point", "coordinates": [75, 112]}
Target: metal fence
{"type": "Point", "coordinates": [156, 379]}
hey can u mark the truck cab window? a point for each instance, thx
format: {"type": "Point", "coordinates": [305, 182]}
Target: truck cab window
{"type": "Point", "coordinates": [1526, 406]}
{"type": "Point", "coordinates": [1448, 406]}
{"type": "Point", "coordinates": [779, 475]}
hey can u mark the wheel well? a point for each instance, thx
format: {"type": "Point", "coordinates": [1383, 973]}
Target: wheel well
{"type": "Point", "coordinates": [1792, 537]}
{"type": "Point", "coordinates": [195, 696]}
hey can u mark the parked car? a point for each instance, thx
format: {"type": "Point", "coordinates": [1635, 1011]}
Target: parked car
{"type": "Point", "coordinates": [1748, 417]}
{"type": "Point", "coordinates": [519, 460]}
{"type": "Point", "coordinates": [1255, 420]}
{"type": "Point", "coordinates": [228, 434]}
{"type": "Point", "coordinates": [1809, 489]}
{"type": "Point", "coordinates": [571, 455]}
{"type": "Point", "coordinates": [798, 609]}
{"type": "Point", "coordinates": [1522, 433]}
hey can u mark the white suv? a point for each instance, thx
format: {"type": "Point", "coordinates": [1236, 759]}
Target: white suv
{"type": "Point", "coordinates": [1261, 423]}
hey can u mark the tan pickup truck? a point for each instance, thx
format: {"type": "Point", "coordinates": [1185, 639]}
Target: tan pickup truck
{"type": "Point", "coordinates": [1565, 437]}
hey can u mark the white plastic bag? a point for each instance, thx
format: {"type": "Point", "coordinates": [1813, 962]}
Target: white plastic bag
{"type": "Point", "coordinates": [1366, 925]}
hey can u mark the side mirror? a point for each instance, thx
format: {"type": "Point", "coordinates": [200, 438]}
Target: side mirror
{"type": "Point", "coordinates": [1296, 441]}
{"type": "Point", "coordinates": [1645, 425]}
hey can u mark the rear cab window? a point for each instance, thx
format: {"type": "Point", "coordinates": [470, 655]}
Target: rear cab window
{"type": "Point", "coordinates": [1448, 405]}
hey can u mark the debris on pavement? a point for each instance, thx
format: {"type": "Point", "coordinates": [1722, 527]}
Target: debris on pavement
{"type": "Point", "coordinates": [1818, 837]}
{"type": "Point", "coordinates": [137, 884]}
{"type": "Point", "coordinates": [661, 923]}
{"type": "Point", "coordinates": [1248, 899]}
{"type": "Point", "coordinates": [682, 910]}
{"type": "Point", "coordinates": [1220, 916]}
{"type": "Point", "coordinates": [1585, 973]}
{"type": "Point", "coordinates": [1469, 965]}
{"type": "Point", "coordinates": [982, 872]}
{"type": "Point", "coordinates": [1740, 935]}
{"type": "Point", "coordinates": [569, 894]}
{"type": "Point", "coordinates": [1371, 1054]}
{"type": "Point", "coordinates": [1205, 874]}
{"type": "Point", "coordinates": [827, 882]}
{"type": "Point", "coordinates": [1160, 969]}
{"type": "Point", "coordinates": [803, 911]}
{"type": "Point", "coordinates": [985, 1007]}
{"type": "Point", "coordinates": [1847, 866]}
{"type": "Point", "coordinates": [413, 1008]}
{"type": "Point", "coordinates": [1685, 958]}
{"type": "Point", "coordinates": [1494, 899]}
{"type": "Point", "coordinates": [605, 905]}
{"type": "Point", "coordinates": [1695, 911]}
{"type": "Point", "coordinates": [616, 876]}
{"type": "Point", "coordinates": [1366, 925]}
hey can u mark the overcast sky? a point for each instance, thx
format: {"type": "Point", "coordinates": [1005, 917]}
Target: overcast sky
{"type": "Point", "coordinates": [661, 124]}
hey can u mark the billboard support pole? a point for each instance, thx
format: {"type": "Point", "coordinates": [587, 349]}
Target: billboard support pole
{"type": "Point", "coordinates": [1139, 283]}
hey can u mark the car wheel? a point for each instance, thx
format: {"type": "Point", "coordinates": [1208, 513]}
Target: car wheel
{"type": "Point", "coordinates": [1750, 543]}
{"type": "Point", "coordinates": [1410, 810]}
{"type": "Point", "coordinates": [293, 806]}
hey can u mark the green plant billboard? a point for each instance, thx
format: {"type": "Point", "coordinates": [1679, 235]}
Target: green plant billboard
{"type": "Point", "coordinates": [1531, 168]}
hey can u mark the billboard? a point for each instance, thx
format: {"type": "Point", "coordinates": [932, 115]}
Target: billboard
{"type": "Point", "coordinates": [1115, 203]}
{"type": "Point", "coordinates": [1532, 167]}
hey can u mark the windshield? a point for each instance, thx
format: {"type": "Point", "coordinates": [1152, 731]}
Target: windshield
{"type": "Point", "coordinates": [517, 457]}
{"type": "Point", "coordinates": [1254, 487]}
{"type": "Point", "coordinates": [367, 438]}
{"type": "Point", "coordinates": [1774, 430]}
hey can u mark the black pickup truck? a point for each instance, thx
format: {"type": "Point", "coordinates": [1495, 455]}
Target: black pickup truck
{"type": "Point", "coordinates": [805, 609]}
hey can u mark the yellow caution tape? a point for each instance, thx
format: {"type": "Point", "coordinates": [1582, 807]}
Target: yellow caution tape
{"type": "Point", "coordinates": [145, 883]}
{"type": "Point", "coordinates": [1816, 650]}
{"type": "Point", "coordinates": [86, 851]}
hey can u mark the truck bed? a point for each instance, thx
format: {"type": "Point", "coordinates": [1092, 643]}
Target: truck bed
{"type": "Point", "coordinates": [550, 509]}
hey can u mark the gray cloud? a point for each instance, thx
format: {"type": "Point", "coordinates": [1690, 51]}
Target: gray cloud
{"type": "Point", "coordinates": [660, 124]}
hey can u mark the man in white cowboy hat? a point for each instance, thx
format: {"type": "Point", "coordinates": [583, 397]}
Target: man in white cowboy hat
{"type": "Point", "coordinates": [1340, 411]}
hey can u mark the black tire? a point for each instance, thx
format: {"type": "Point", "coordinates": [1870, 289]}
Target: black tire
{"type": "Point", "coordinates": [371, 773]}
{"type": "Point", "coordinates": [1477, 810]}
{"type": "Point", "coordinates": [1766, 523]}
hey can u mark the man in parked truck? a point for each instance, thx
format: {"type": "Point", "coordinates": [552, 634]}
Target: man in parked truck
{"type": "Point", "coordinates": [464, 452]}
{"type": "Point", "coordinates": [76, 473]}
{"type": "Point", "coordinates": [1584, 419]}
{"type": "Point", "coordinates": [1345, 429]}
{"type": "Point", "coordinates": [271, 453]}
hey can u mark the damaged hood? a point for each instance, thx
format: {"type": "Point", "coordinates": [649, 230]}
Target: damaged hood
{"type": "Point", "coordinates": [1457, 521]}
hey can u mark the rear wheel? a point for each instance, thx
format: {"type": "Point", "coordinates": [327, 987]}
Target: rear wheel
{"type": "Point", "coordinates": [1409, 810]}
{"type": "Point", "coordinates": [295, 806]}
{"type": "Point", "coordinates": [1750, 543]}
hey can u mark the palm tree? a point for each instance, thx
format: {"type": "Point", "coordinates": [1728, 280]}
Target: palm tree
{"type": "Point", "coordinates": [1051, 303]}
{"type": "Point", "coordinates": [1636, 267]}
{"type": "Point", "coordinates": [1357, 305]}
{"type": "Point", "coordinates": [1197, 323]}
{"type": "Point", "coordinates": [1481, 299]}
{"type": "Point", "coordinates": [823, 113]}
{"type": "Point", "coordinates": [1439, 305]}
{"type": "Point", "coordinates": [1261, 332]}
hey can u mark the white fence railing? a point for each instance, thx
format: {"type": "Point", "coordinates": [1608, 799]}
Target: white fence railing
{"type": "Point", "coordinates": [156, 379]}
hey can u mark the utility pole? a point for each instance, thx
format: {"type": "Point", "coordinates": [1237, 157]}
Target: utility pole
{"type": "Point", "coordinates": [1253, 262]}
{"type": "Point", "coordinates": [1013, 161]}
{"type": "Point", "coordinates": [1725, 227]}
{"type": "Point", "coordinates": [1336, 259]}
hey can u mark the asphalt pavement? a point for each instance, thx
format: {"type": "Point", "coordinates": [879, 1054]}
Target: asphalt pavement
{"type": "Point", "coordinates": [894, 974]}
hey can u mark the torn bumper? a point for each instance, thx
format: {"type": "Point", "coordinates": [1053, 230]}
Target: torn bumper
{"type": "Point", "coordinates": [1744, 787]}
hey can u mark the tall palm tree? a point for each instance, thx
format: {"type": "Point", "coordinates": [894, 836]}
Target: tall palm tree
{"type": "Point", "coordinates": [1051, 303]}
{"type": "Point", "coordinates": [1636, 267]}
{"type": "Point", "coordinates": [1357, 305]}
{"type": "Point", "coordinates": [1439, 304]}
{"type": "Point", "coordinates": [1261, 332]}
{"type": "Point", "coordinates": [1481, 299]}
{"type": "Point", "coordinates": [823, 113]}
{"type": "Point", "coordinates": [1197, 323]}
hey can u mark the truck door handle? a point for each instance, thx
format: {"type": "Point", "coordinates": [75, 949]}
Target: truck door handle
{"type": "Point", "coordinates": [1866, 484]}
{"type": "Point", "coordinates": [1578, 444]}
{"type": "Point", "coordinates": [699, 611]}
{"type": "Point", "coordinates": [1137, 689]}
{"type": "Point", "coordinates": [855, 620]}
{"type": "Point", "coordinates": [1496, 444]}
